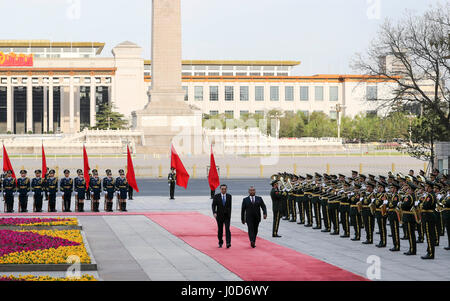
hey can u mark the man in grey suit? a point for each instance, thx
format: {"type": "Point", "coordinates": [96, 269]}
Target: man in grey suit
{"type": "Point", "coordinates": [251, 214]}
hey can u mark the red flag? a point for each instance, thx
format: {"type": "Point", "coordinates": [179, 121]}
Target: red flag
{"type": "Point", "coordinates": [131, 177]}
{"type": "Point", "coordinates": [44, 162]}
{"type": "Point", "coordinates": [6, 163]}
{"type": "Point", "coordinates": [87, 178]}
{"type": "Point", "coordinates": [213, 176]}
{"type": "Point", "coordinates": [182, 174]}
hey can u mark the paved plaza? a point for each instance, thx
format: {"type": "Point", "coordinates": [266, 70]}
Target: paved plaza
{"type": "Point", "coordinates": [133, 247]}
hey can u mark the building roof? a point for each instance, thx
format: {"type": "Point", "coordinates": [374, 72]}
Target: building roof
{"type": "Point", "coordinates": [50, 44]}
{"type": "Point", "coordinates": [235, 63]}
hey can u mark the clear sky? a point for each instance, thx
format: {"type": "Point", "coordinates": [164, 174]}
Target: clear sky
{"type": "Point", "coordinates": [322, 34]}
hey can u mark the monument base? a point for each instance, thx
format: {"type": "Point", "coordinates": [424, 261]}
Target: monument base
{"type": "Point", "coordinates": [169, 121]}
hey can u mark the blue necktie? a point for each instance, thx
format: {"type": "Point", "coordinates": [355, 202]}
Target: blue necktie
{"type": "Point", "coordinates": [223, 200]}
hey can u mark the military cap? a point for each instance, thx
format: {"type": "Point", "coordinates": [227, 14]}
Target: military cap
{"type": "Point", "coordinates": [341, 175]}
{"type": "Point", "coordinates": [412, 186]}
{"type": "Point", "coordinates": [66, 171]}
{"type": "Point", "coordinates": [382, 177]}
{"type": "Point", "coordinates": [52, 171]}
{"type": "Point", "coordinates": [9, 172]}
{"type": "Point", "coordinates": [335, 182]}
{"type": "Point", "coordinates": [391, 176]}
{"type": "Point", "coordinates": [381, 184]}
{"type": "Point", "coordinates": [318, 175]}
{"type": "Point", "coordinates": [439, 185]}
{"type": "Point", "coordinates": [357, 185]}
{"type": "Point", "coordinates": [355, 172]}
{"type": "Point", "coordinates": [429, 183]}
{"type": "Point", "coordinates": [273, 183]}
{"type": "Point", "coordinates": [371, 184]}
{"type": "Point", "coordinates": [396, 185]}
{"type": "Point", "coordinates": [108, 171]}
{"type": "Point", "coordinates": [121, 172]}
{"type": "Point", "coordinates": [301, 178]}
{"type": "Point", "coordinates": [326, 175]}
{"type": "Point", "coordinates": [346, 183]}
{"type": "Point", "coordinates": [79, 171]}
{"type": "Point", "coordinates": [308, 176]}
{"type": "Point", "coordinates": [23, 171]}
{"type": "Point", "coordinates": [95, 172]}
{"type": "Point", "coordinates": [371, 176]}
{"type": "Point", "coordinates": [37, 171]}
{"type": "Point", "coordinates": [363, 176]}
{"type": "Point", "coordinates": [334, 176]}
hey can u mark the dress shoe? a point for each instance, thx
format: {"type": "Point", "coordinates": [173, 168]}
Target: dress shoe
{"type": "Point", "coordinates": [409, 253]}
{"type": "Point", "coordinates": [292, 221]}
{"type": "Point", "coordinates": [367, 242]}
{"type": "Point", "coordinates": [228, 246]}
{"type": "Point", "coordinates": [317, 228]}
{"type": "Point", "coordinates": [381, 246]}
{"type": "Point", "coordinates": [378, 232]}
{"type": "Point", "coordinates": [220, 246]}
{"type": "Point", "coordinates": [448, 248]}
{"type": "Point", "coordinates": [334, 233]}
{"type": "Point", "coordinates": [345, 236]}
{"type": "Point", "coordinates": [436, 245]}
{"type": "Point", "coordinates": [355, 239]}
{"type": "Point", "coordinates": [308, 225]}
{"type": "Point", "coordinates": [326, 231]}
{"type": "Point", "coordinates": [285, 218]}
{"type": "Point", "coordinates": [276, 235]}
{"type": "Point", "coordinates": [428, 256]}
{"type": "Point", "coordinates": [394, 250]}
{"type": "Point", "coordinates": [404, 238]}
{"type": "Point", "coordinates": [301, 223]}
{"type": "Point", "coordinates": [252, 244]}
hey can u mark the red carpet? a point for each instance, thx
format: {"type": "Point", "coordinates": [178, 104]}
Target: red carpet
{"type": "Point", "coordinates": [268, 262]}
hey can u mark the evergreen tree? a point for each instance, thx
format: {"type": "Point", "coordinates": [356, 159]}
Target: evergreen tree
{"type": "Point", "coordinates": [108, 119]}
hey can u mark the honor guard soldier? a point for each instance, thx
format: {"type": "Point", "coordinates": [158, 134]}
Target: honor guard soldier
{"type": "Point", "coordinates": [66, 187]}
{"type": "Point", "coordinates": [355, 214]}
{"type": "Point", "coordinates": [367, 213]}
{"type": "Point", "coordinates": [394, 216]}
{"type": "Point", "coordinates": [109, 188]}
{"type": "Point", "coordinates": [409, 220]}
{"type": "Point", "coordinates": [324, 197]}
{"type": "Point", "coordinates": [80, 191]}
{"type": "Point", "coordinates": [23, 188]}
{"type": "Point", "coordinates": [122, 190]}
{"type": "Point", "coordinates": [446, 215]}
{"type": "Point", "coordinates": [381, 203]}
{"type": "Point", "coordinates": [299, 199]}
{"type": "Point", "coordinates": [428, 219]}
{"type": "Point", "coordinates": [316, 201]}
{"type": "Point", "coordinates": [333, 206]}
{"type": "Point", "coordinates": [172, 179]}
{"type": "Point", "coordinates": [9, 188]}
{"type": "Point", "coordinates": [307, 200]}
{"type": "Point", "coordinates": [344, 210]}
{"type": "Point", "coordinates": [38, 188]}
{"type": "Point", "coordinates": [51, 185]}
{"type": "Point", "coordinates": [277, 200]}
{"type": "Point", "coordinates": [95, 187]}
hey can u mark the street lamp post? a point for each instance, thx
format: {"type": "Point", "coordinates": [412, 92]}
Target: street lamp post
{"type": "Point", "coordinates": [339, 108]}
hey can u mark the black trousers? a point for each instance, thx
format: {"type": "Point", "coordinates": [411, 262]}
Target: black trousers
{"type": "Point", "coordinates": [67, 201]}
{"type": "Point", "coordinates": [308, 209]}
{"type": "Point", "coordinates": [437, 227]}
{"type": "Point", "coordinates": [9, 200]}
{"type": "Point", "coordinates": [345, 218]}
{"type": "Point", "coordinates": [130, 193]}
{"type": "Point", "coordinates": [326, 213]}
{"type": "Point", "coordinates": [38, 202]}
{"type": "Point", "coordinates": [213, 192]}
{"type": "Point", "coordinates": [381, 221]}
{"type": "Point", "coordinates": [223, 221]}
{"type": "Point", "coordinates": [395, 228]}
{"type": "Point", "coordinates": [317, 214]}
{"type": "Point", "coordinates": [23, 203]}
{"type": "Point", "coordinates": [52, 202]}
{"type": "Point", "coordinates": [356, 221]}
{"type": "Point", "coordinates": [334, 216]}
{"type": "Point", "coordinates": [292, 213]}
{"type": "Point", "coordinates": [411, 225]}
{"type": "Point", "coordinates": [276, 220]}
{"type": "Point", "coordinates": [284, 206]}
{"type": "Point", "coordinates": [301, 209]}
{"type": "Point", "coordinates": [369, 223]}
{"type": "Point", "coordinates": [172, 190]}
{"type": "Point", "coordinates": [252, 225]}
{"type": "Point", "coordinates": [429, 225]}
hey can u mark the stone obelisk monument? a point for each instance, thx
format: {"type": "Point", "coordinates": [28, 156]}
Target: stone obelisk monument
{"type": "Point", "coordinates": [167, 117]}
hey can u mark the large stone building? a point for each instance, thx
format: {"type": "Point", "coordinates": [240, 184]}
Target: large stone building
{"type": "Point", "coordinates": [58, 86]}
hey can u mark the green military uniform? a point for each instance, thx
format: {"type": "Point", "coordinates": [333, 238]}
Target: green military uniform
{"type": "Point", "coordinates": [409, 220]}
{"type": "Point", "coordinates": [429, 220]}
{"type": "Point", "coordinates": [355, 215]}
{"type": "Point", "coordinates": [367, 215]}
{"type": "Point", "coordinates": [393, 217]}
{"type": "Point", "coordinates": [277, 200]}
{"type": "Point", "coordinates": [381, 217]}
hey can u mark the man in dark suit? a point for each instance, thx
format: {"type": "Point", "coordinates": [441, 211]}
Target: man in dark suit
{"type": "Point", "coordinates": [251, 214]}
{"type": "Point", "coordinates": [221, 207]}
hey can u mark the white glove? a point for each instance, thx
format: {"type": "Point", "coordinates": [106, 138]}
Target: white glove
{"type": "Point", "coordinates": [76, 193]}
{"type": "Point", "coordinates": [373, 200]}
{"type": "Point", "coordinates": [32, 193]}
{"type": "Point", "coordinates": [385, 202]}
{"type": "Point", "coordinates": [416, 203]}
{"type": "Point", "coordinates": [361, 199]}
{"type": "Point", "coordinates": [16, 193]}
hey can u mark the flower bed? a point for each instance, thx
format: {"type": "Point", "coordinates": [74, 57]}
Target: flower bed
{"type": "Point", "coordinates": [41, 247]}
{"type": "Point", "coordinates": [38, 222]}
{"type": "Point", "coordinates": [46, 278]}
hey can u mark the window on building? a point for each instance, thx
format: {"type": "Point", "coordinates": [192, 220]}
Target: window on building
{"type": "Point", "coordinates": [244, 93]}
{"type": "Point", "coordinates": [55, 80]}
{"type": "Point", "coordinates": [289, 93]}
{"type": "Point", "coordinates": [214, 74]}
{"type": "Point", "coordinates": [186, 93]}
{"type": "Point", "coordinates": [319, 93]}
{"type": "Point", "coordinates": [198, 92]}
{"type": "Point", "coordinates": [229, 93]}
{"type": "Point", "coordinates": [227, 73]}
{"type": "Point", "coordinates": [4, 80]}
{"type": "Point", "coordinates": [274, 93]}
{"type": "Point", "coordinates": [304, 93]}
{"type": "Point", "coordinates": [373, 113]}
{"type": "Point", "coordinates": [259, 113]}
{"type": "Point", "coordinates": [229, 114]}
{"type": "Point", "coordinates": [24, 80]}
{"type": "Point", "coordinates": [213, 113]}
{"type": "Point", "coordinates": [98, 80]}
{"type": "Point", "coordinates": [35, 80]}
{"type": "Point", "coordinates": [259, 93]}
{"type": "Point", "coordinates": [372, 93]}
{"type": "Point", "coordinates": [305, 113]}
{"type": "Point", "coordinates": [199, 73]}
{"type": "Point", "coordinates": [243, 114]}
{"type": "Point", "coordinates": [269, 74]}
{"type": "Point", "coordinates": [87, 80]}
{"type": "Point", "coordinates": [214, 93]}
{"type": "Point", "coordinates": [334, 93]}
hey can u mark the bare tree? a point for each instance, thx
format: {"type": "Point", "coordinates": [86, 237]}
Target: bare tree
{"type": "Point", "coordinates": [413, 53]}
